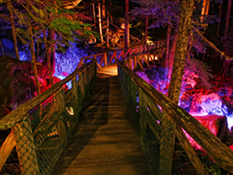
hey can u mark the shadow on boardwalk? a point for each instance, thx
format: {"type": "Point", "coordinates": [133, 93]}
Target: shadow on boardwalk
{"type": "Point", "coordinates": [104, 142]}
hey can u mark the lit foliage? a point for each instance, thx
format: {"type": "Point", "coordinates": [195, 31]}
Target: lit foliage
{"type": "Point", "coordinates": [47, 15]}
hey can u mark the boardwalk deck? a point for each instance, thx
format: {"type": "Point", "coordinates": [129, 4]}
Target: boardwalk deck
{"type": "Point", "coordinates": [105, 142]}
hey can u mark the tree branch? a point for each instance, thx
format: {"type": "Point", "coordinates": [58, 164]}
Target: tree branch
{"type": "Point", "coordinates": [212, 44]}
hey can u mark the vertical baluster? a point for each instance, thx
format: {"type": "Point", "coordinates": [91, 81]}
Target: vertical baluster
{"type": "Point", "coordinates": [105, 59]}
{"type": "Point", "coordinates": [142, 119]}
{"type": "Point", "coordinates": [75, 96]}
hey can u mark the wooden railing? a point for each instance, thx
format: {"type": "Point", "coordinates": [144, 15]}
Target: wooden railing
{"type": "Point", "coordinates": [141, 54]}
{"type": "Point", "coordinates": [154, 114]}
{"type": "Point", "coordinates": [39, 128]}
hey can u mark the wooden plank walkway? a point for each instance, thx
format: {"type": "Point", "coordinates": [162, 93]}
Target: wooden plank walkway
{"type": "Point", "coordinates": [105, 142]}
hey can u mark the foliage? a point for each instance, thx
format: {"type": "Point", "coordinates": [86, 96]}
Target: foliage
{"type": "Point", "coordinates": [47, 15]}
{"type": "Point", "coordinates": [164, 12]}
{"type": "Point", "coordinates": [197, 69]}
{"type": "Point", "coordinates": [182, 165]}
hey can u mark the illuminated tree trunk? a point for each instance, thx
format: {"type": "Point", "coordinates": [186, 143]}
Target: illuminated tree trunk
{"type": "Point", "coordinates": [127, 43]}
{"type": "Point", "coordinates": [171, 55]}
{"type": "Point", "coordinates": [205, 9]}
{"type": "Point", "coordinates": [184, 28]}
{"type": "Point", "coordinates": [94, 16]}
{"type": "Point", "coordinates": [100, 23]}
{"type": "Point", "coordinates": [13, 30]}
{"type": "Point", "coordinates": [103, 9]}
{"type": "Point", "coordinates": [220, 17]}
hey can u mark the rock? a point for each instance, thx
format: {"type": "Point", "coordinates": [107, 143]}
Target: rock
{"type": "Point", "coordinates": [8, 43]}
{"type": "Point", "coordinates": [216, 124]}
{"type": "Point", "coordinates": [211, 103]}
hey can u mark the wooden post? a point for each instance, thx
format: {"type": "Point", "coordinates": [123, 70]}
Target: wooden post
{"type": "Point", "coordinates": [26, 148]}
{"type": "Point", "coordinates": [142, 120]}
{"type": "Point", "coordinates": [100, 24]}
{"type": "Point", "coordinates": [105, 59]}
{"type": "Point", "coordinates": [75, 95]}
{"type": "Point", "coordinates": [135, 62]}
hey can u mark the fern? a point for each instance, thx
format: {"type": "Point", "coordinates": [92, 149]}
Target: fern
{"type": "Point", "coordinates": [200, 69]}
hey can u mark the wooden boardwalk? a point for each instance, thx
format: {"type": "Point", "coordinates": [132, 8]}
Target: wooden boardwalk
{"type": "Point", "coordinates": [105, 142]}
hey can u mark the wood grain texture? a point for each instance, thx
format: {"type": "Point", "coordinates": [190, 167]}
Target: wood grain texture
{"type": "Point", "coordinates": [6, 148]}
{"type": "Point", "coordinates": [105, 141]}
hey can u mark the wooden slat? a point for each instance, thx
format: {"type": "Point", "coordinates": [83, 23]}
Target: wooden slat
{"type": "Point", "coordinates": [6, 148]}
{"type": "Point", "coordinates": [140, 64]}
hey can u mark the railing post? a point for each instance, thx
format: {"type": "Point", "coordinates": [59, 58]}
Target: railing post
{"type": "Point", "coordinates": [105, 59]}
{"type": "Point", "coordinates": [135, 62]}
{"type": "Point", "coordinates": [75, 95]}
{"type": "Point", "coordinates": [25, 147]}
{"type": "Point", "coordinates": [142, 120]}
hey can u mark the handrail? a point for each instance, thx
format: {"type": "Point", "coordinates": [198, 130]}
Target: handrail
{"type": "Point", "coordinates": [43, 124]}
{"type": "Point", "coordinates": [215, 148]}
{"type": "Point", "coordinates": [19, 113]}
{"type": "Point", "coordinates": [13, 117]}
{"type": "Point", "coordinates": [124, 52]}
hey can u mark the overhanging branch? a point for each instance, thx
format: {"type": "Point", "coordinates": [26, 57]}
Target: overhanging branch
{"type": "Point", "coordinates": [212, 44]}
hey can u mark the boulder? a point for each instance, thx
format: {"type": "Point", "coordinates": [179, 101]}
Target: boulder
{"type": "Point", "coordinates": [216, 124]}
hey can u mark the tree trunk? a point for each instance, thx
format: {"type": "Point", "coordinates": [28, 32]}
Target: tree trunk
{"type": "Point", "coordinates": [228, 18]}
{"type": "Point", "coordinates": [184, 28]}
{"type": "Point", "coordinates": [13, 30]}
{"type": "Point", "coordinates": [107, 31]}
{"type": "Point", "coordinates": [34, 67]}
{"type": "Point", "coordinates": [171, 55]}
{"type": "Point", "coordinates": [226, 32]}
{"type": "Point", "coordinates": [146, 29]}
{"type": "Point", "coordinates": [181, 49]}
{"type": "Point", "coordinates": [94, 16]}
{"type": "Point", "coordinates": [110, 8]}
{"type": "Point", "coordinates": [168, 47]}
{"type": "Point", "coordinates": [205, 9]}
{"type": "Point", "coordinates": [100, 23]}
{"type": "Point", "coordinates": [52, 49]}
{"type": "Point", "coordinates": [48, 57]}
{"type": "Point", "coordinates": [220, 17]}
{"type": "Point", "coordinates": [103, 9]}
{"type": "Point", "coordinates": [127, 43]}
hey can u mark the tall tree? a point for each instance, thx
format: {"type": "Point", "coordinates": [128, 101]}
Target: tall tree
{"type": "Point", "coordinates": [184, 29]}
{"type": "Point", "coordinates": [220, 17]}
